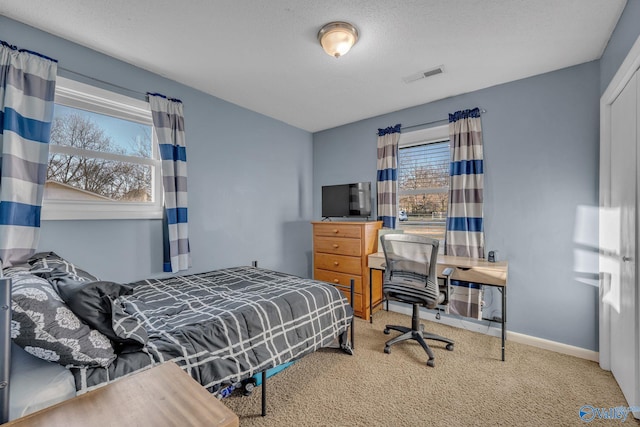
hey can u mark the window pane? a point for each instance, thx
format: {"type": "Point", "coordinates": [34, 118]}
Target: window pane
{"type": "Point", "coordinates": [78, 128]}
{"type": "Point", "coordinates": [103, 157]}
{"type": "Point", "coordinates": [426, 213]}
{"type": "Point", "coordinates": [424, 166]}
{"type": "Point", "coordinates": [74, 177]}
{"type": "Point", "coordinates": [423, 184]}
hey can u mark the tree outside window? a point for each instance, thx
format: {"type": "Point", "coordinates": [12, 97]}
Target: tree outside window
{"type": "Point", "coordinates": [423, 187]}
{"type": "Point", "coordinates": [83, 166]}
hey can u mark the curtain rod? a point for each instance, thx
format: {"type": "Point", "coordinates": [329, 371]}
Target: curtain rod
{"type": "Point", "coordinates": [142, 95]}
{"type": "Point", "coordinates": [482, 111]}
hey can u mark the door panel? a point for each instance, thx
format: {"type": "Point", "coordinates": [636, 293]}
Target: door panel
{"type": "Point", "coordinates": [622, 296]}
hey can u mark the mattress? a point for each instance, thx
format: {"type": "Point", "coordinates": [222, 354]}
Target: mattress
{"type": "Point", "coordinates": [36, 384]}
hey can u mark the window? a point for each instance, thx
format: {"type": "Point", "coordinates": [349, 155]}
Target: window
{"type": "Point", "coordinates": [423, 181]}
{"type": "Point", "coordinates": [103, 157]}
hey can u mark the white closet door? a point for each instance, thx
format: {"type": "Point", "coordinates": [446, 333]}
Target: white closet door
{"type": "Point", "coordinates": [623, 295]}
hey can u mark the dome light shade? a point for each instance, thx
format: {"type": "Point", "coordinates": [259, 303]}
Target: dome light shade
{"type": "Point", "coordinates": [337, 38]}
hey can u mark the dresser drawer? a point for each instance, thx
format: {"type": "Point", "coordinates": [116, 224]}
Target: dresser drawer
{"type": "Point", "coordinates": [338, 230]}
{"type": "Point", "coordinates": [339, 278]}
{"type": "Point", "coordinates": [339, 263]}
{"type": "Point", "coordinates": [337, 245]}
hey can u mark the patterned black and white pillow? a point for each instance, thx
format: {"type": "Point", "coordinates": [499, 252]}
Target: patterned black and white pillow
{"type": "Point", "coordinates": [44, 326]}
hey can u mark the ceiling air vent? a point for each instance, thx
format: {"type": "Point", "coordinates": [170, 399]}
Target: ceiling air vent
{"type": "Point", "coordinates": [423, 74]}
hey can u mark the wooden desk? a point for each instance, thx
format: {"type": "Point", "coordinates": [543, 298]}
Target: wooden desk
{"type": "Point", "coordinates": [466, 269]}
{"type": "Point", "coordinates": [164, 395]}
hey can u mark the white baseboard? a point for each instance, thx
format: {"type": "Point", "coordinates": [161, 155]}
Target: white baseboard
{"type": "Point", "coordinates": [558, 347]}
{"type": "Point", "coordinates": [495, 329]}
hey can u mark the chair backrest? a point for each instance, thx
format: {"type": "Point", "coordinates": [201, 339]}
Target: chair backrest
{"type": "Point", "coordinates": [382, 232]}
{"type": "Point", "coordinates": [411, 260]}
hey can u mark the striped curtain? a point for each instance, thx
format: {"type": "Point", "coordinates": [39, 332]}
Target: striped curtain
{"type": "Point", "coordinates": [27, 90]}
{"type": "Point", "coordinates": [388, 175]}
{"type": "Point", "coordinates": [465, 229]}
{"type": "Point", "coordinates": [168, 122]}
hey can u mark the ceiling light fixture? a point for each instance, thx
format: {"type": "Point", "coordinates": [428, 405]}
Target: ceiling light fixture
{"type": "Point", "coordinates": [337, 38]}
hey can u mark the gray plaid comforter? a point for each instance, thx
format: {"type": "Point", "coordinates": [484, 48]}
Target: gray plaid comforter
{"type": "Point", "coordinates": [227, 325]}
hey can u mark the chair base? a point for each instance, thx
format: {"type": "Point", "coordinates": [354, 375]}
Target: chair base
{"type": "Point", "coordinates": [416, 332]}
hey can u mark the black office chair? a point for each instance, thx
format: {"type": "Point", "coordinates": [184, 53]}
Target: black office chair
{"type": "Point", "coordinates": [411, 276]}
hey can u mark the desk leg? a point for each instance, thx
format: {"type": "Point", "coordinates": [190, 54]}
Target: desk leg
{"type": "Point", "coordinates": [504, 317]}
{"type": "Point", "coordinates": [370, 295]}
{"type": "Point", "coordinates": [353, 324]}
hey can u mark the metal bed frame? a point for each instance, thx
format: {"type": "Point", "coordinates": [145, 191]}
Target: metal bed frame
{"type": "Point", "coordinates": [5, 345]}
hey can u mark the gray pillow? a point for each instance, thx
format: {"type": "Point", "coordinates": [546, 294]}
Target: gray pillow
{"type": "Point", "coordinates": [97, 304]}
{"type": "Point", "coordinates": [45, 326]}
{"type": "Point", "coordinates": [44, 262]}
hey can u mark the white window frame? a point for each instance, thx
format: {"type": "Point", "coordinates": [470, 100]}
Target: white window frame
{"type": "Point", "coordinates": [420, 137]}
{"type": "Point", "coordinates": [424, 136]}
{"type": "Point", "coordinates": [74, 94]}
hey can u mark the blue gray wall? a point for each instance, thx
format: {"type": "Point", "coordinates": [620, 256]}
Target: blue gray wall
{"type": "Point", "coordinates": [541, 164]}
{"type": "Point", "coordinates": [250, 181]}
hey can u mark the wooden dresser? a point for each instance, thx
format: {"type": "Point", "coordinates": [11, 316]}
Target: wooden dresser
{"type": "Point", "coordinates": [340, 251]}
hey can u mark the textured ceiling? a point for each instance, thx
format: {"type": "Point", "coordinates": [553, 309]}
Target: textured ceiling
{"type": "Point", "coordinates": [264, 55]}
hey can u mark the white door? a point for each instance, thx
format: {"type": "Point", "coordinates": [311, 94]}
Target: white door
{"type": "Point", "coordinates": [623, 294]}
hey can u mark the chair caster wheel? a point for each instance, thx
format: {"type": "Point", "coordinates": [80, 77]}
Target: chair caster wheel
{"type": "Point", "coordinates": [387, 350]}
{"type": "Point", "coordinates": [387, 331]}
{"type": "Point", "coordinates": [431, 363]}
{"type": "Point", "coordinates": [449, 347]}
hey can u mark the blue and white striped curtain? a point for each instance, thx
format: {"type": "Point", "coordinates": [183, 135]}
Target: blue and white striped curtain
{"type": "Point", "coordinates": [388, 175]}
{"type": "Point", "coordinates": [168, 122]}
{"type": "Point", "coordinates": [465, 228]}
{"type": "Point", "coordinates": [27, 91]}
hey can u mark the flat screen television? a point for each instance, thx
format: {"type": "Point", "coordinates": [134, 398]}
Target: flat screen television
{"type": "Point", "coordinates": [347, 200]}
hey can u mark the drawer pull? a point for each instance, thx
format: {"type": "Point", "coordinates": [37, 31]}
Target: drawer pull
{"type": "Point", "coordinates": [336, 281]}
{"type": "Point", "coordinates": [336, 246]}
{"type": "Point", "coordinates": [335, 230]}
{"type": "Point", "coordinates": [336, 263]}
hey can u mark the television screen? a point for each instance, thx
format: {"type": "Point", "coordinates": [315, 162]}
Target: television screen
{"type": "Point", "coordinates": [347, 200]}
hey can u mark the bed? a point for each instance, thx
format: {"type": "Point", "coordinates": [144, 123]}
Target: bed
{"type": "Point", "coordinates": [222, 326]}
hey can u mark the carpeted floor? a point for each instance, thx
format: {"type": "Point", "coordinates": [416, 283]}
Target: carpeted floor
{"type": "Point", "coordinates": [469, 386]}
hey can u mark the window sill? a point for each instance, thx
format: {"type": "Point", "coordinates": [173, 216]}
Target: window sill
{"type": "Point", "coordinates": [52, 211]}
